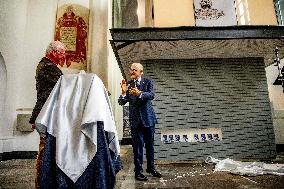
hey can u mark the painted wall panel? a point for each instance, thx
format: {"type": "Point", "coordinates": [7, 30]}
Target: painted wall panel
{"type": "Point", "coordinates": [262, 12]}
{"type": "Point", "coordinates": [173, 13]}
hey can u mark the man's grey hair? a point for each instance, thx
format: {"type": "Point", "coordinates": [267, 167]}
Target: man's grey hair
{"type": "Point", "coordinates": [137, 64]}
{"type": "Point", "coordinates": [54, 45]}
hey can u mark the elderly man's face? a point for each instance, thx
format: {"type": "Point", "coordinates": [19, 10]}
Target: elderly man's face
{"type": "Point", "coordinates": [135, 72]}
{"type": "Point", "coordinates": [59, 56]}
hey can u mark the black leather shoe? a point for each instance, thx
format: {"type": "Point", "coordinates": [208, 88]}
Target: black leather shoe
{"type": "Point", "coordinates": [154, 172]}
{"type": "Point", "coordinates": [141, 177]}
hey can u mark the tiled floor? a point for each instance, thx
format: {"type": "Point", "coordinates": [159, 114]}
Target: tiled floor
{"type": "Point", "coordinates": [193, 175]}
{"type": "Point", "coordinates": [19, 174]}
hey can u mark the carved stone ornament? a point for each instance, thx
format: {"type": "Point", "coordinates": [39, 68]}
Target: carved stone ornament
{"type": "Point", "coordinates": [206, 12]}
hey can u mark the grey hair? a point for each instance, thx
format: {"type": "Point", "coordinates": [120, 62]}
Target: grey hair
{"type": "Point", "coordinates": [140, 66]}
{"type": "Point", "coordinates": [54, 45]}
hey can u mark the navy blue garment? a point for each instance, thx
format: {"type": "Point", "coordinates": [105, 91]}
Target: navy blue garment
{"type": "Point", "coordinates": [141, 135]}
{"type": "Point", "coordinates": [142, 122]}
{"type": "Point", "coordinates": [140, 108]}
{"type": "Point", "coordinates": [99, 174]}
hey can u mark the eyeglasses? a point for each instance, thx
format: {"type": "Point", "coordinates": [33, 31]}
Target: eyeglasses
{"type": "Point", "coordinates": [134, 70]}
{"type": "Point", "coordinates": [59, 52]}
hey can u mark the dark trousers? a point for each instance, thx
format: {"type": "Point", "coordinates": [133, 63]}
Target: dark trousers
{"type": "Point", "coordinates": [140, 136]}
{"type": "Point", "coordinates": [39, 162]}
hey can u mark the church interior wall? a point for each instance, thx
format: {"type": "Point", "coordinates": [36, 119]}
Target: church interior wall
{"type": "Point", "coordinates": [173, 13]}
{"type": "Point", "coordinates": [98, 49]}
{"type": "Point", "coordinates": [114, 79]}
{"type": "Point", "coordinates": [39, 31]}
{"type": "Point", "coordinates": [3, 81]}
{"type": "Point", "coordinates": [102, 59]}
{"type": "Point", "coordinates": [27, 26]}
{"type": "Point", "coordinates": [277, 102]}
{"type": "Point", "coordinates": [261, 12]}
{"type": "Point", "coordinates": [181, 13]}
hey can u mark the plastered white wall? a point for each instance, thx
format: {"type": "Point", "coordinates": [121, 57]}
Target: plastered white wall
{"type": "Point", "coordinates": [276, 96]}
{"type": "Point", "coordinates": [99, 44]}
{"type": "Point", "coordinates": [27, 26]}
{"type": "Point", "coordinates": [3, 89]}
{"type": "Point", "coordinates": [114, 79]}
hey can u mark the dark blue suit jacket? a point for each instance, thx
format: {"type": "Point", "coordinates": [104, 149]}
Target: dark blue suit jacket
{"type": "Point", "coordinates": [140, 108]}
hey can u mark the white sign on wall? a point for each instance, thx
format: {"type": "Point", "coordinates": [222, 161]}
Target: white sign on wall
{"type": "Point", "coordinates": [215, 13]}
{"type": "Point", "coordinates": [191, 135]}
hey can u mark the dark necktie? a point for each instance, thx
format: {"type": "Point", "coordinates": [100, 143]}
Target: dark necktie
{"type": "Point", "coordinates": [137, 84]}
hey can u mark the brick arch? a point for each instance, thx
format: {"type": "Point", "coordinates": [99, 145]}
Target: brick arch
{"type": "Point", "coordinates": [3, 88]}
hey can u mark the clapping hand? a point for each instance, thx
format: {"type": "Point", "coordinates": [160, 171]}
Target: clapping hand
{"type": "Point", "coordinates": [134, 91]}
{"type": "Point", "coordinates": [123, 86]}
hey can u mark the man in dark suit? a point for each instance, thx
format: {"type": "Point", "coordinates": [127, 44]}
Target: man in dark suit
{"type": "Point", "coordinates": [139, 92]}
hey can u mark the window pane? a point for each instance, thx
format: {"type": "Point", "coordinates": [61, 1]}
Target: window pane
{"type": "Point", "coordinates": [279, 7]}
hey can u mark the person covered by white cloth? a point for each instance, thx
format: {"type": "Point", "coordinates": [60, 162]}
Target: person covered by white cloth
{"type": "Point", "coordinates": [71, 113]}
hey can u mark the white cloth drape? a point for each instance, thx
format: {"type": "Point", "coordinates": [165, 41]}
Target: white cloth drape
{"type": "Point", "coordinates": [246, 168]}
{"type": "Point", "coordinates": [70, 114]}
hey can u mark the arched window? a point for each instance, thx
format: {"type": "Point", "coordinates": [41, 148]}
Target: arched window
{"type": "Point", "coordinates": [242, 11]}
{"type": "Point", "coordinates": [279, 8]}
